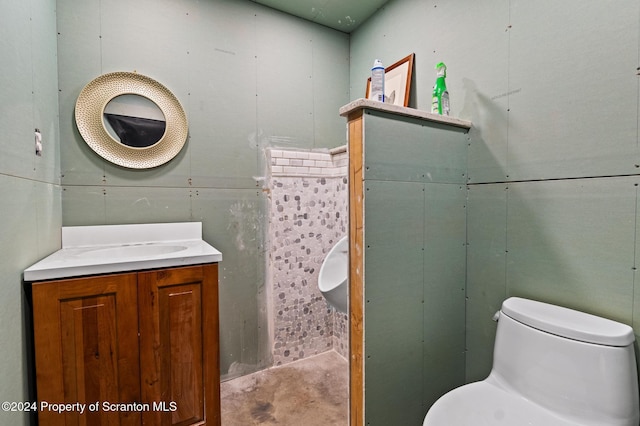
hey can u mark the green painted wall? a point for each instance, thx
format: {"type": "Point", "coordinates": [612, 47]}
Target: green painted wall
{"type": "Point", "coordinates": [553, 160]}
{"type": "Point", "coordinates": [30, 209]}
{"type": "Point", "coordinates": [414, 265]}
{"type": "Point", "coordinates": [248, 78]}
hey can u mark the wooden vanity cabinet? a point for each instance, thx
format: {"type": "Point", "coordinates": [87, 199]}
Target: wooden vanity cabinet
{"type": "Point", "coordinates": [142, 345]}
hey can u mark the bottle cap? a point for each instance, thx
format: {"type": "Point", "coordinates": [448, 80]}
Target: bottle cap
{"type": "Point", "coordinates": [442, 69]}
{"type": "Point", "coordinates": [377, 64]}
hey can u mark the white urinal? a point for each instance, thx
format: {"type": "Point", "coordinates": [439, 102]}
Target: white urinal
{"type": "Point", "coordinates": [334, 272]}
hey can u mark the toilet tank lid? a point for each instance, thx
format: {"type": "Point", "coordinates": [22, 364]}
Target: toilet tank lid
{"type": "Point", "coordinates": [568, 323]}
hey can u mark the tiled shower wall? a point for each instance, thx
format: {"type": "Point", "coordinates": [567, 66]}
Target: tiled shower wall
{"type": "Point", "coordinates": [308, 215]}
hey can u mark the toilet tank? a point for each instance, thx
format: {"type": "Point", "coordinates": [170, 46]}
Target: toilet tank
{"type": "Point", "coordinates": [580, 366]}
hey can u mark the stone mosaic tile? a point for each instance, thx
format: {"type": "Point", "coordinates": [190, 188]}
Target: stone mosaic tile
{"type": "Point", "coordinates": [308, 216]}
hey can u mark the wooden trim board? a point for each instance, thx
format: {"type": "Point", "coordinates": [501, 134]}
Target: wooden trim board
{"type": "Point", "coordinates": [356, 272]}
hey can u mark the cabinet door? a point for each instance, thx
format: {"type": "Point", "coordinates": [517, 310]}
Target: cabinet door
{"type": "Point", "coordinates": [86, 343]}
{"type": "Point", "coordinates": [179, 355]}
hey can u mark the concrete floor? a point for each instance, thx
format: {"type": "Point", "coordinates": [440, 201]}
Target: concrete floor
{"type": "Point", "coordinates": [311, 392]}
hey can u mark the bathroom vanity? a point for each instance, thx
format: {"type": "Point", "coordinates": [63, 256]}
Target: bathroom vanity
{"type": "Point", "coordinates": [125, 323]}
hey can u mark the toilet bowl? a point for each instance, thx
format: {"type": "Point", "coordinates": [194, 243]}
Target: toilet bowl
{"type": "Point", "coordinates": [552, 366]}
{"type": "Point", "coordinates": [332, 280]}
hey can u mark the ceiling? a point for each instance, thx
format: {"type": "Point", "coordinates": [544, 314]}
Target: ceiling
{"type": "Point", "coordinates": [342, 15]}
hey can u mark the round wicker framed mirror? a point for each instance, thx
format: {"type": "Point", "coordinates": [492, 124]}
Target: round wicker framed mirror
{"type": "Point", "coordinates": [115, 146]}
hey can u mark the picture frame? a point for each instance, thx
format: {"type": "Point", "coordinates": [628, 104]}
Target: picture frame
{"type": "Point", "coordinates": [397, 82]}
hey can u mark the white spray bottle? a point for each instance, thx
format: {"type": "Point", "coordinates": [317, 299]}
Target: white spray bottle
{"type": "Point", "coordinates": [377, 81]}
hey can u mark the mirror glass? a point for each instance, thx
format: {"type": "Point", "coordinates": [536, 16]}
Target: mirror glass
{"type": "Point", "coordinates": [134, 120]}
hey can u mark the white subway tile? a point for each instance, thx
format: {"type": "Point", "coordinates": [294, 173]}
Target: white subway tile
{"type": "Point", "coordinates": [304, 155]}
{"type": "Point", "coordinates": [296, 171]}
{"type": "Point", "coordinates": [291, 162]}
{"type": "Point", "coordinates": [318, 156]}
{"type": "Point", "coordinates": [325, 164]}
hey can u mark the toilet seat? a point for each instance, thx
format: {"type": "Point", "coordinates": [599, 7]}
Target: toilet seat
{"type": "Point", "coordinates": [485, 404]}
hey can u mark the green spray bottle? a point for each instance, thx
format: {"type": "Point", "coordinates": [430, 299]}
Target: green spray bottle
{"type": "Point", "coordinates": [440, 96]}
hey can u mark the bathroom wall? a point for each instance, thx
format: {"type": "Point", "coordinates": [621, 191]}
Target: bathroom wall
{"type": "Point", "coordinates": [408, 236]}
{"type": "Point", "coordinates": [308, 195]}
{"type": "Point", "coordinates": [553, 161]}
{"type": "Point", "coordinates": [30, 211]}
{"type": "Point", "coordinates": [248, 78]}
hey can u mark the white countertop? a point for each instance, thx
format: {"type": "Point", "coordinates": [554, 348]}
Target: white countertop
{"type": "Point", "coordinates": [90, 250]}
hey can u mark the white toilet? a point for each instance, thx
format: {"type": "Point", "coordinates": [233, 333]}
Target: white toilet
{"type": "Point", "coordinates": [332, 279]}
{"type": "Point", "coordinates": [551, 366]}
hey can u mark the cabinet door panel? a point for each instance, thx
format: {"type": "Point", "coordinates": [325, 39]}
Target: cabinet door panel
{"type": "Point", "coordinates": [86, 349]}
{"type": "Point", "coordinates": [178, 340]}
{"type": "Point", "coordinates": [180, 313]}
